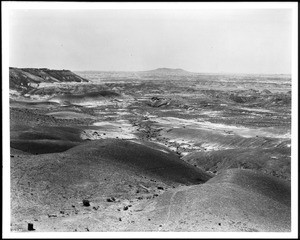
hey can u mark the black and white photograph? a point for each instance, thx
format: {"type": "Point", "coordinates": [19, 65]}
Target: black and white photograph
{"type": "Point", "coordinates": [150, 119]}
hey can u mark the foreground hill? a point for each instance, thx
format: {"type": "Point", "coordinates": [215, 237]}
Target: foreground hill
{"type": "Point", "coordinates": [235, 200]}
{"type": "Point", "coordinates": [29, 78]}
{"type": "Point", "coordinates": [139, 187]}
{"type": "Point", "coordinates": [55, 184]}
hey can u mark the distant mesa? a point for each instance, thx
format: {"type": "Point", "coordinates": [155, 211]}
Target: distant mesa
{"type": "Point", "coordinates": [168, 71]}
{"type": "Point", "coordinates": [21, 79]}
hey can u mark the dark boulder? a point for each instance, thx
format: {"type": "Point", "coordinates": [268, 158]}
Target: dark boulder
{"type": "Point", "coordinates": [86, 202]}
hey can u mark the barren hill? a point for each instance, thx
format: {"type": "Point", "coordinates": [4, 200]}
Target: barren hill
{"type": "Point", "coordinates": [112, 174]}
{"type": "Point", "coordinates": [235, 200]}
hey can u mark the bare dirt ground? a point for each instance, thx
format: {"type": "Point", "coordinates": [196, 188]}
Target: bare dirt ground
{"type": "Point", "coordinates": [152, 152]}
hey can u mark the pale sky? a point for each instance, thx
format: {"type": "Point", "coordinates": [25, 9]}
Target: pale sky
{"type": "Point", "coordinates": [210, 41]}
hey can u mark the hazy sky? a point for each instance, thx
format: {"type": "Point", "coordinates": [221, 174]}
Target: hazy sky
{"type": "Point", "coordinates": [246, 41]}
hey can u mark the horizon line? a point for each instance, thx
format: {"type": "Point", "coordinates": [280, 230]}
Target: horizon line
{"type": "Point", "coordinates": [245, 73]}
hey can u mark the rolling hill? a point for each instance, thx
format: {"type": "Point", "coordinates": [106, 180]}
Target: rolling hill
{"type": "Point", "coordinates": [235, 200]}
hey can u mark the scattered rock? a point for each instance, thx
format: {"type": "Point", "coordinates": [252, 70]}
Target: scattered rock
{"type": "Point", "coordinates": [111, 199]}
{"type": "Point", "coordinates": [30, 227]}
{"type": "Point", "coordinates": [147, 189]}
{"type": "Point", "coordinates": [125, 208]}
{"type": "Point", "coordinates": [86, 203]}
{"type": "Point", "coordinates": [52, 215]}
{"type": "Point", "coordinates": [96, 208]}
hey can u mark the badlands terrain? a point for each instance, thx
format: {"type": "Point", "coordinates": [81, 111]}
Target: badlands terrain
{"type": "Point", "coordinates": [159, 150]}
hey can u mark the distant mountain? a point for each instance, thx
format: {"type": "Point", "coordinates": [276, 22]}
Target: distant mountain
{"type": "Point", "coordinates": [168, 71]}
{"type": "Point", "coordinates": [27, 78]}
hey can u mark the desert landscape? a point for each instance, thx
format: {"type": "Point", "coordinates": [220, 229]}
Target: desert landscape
{"type": "Point", "coordinates": [164, 150]}
{"type": "Point", "coordinates": [150, 119]}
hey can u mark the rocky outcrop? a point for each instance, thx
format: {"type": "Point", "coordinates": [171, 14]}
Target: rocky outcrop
{"type": "Point", "coordinates": [266, 92]}
{"type": "Point", "coordinates": [158, 102]}
{"type": "Point", "coordinates": [24, 79]}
